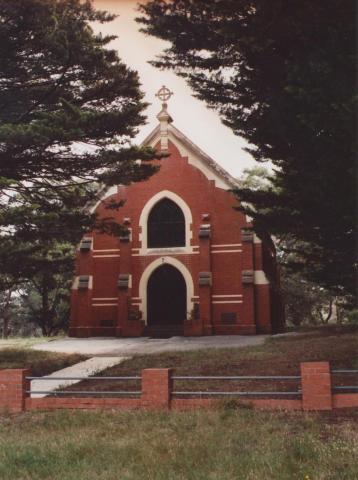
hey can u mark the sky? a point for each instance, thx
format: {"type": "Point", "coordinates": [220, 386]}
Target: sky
{"type": "Point", "coordinates": [201, 124]}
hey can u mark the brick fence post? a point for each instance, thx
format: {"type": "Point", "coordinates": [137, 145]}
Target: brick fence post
{"type": "Point", "coordinates": [156, 388]}
{"type": "Point", "coordinates": [13, 386]}
{"type": "Point", "coordinates": [316, 386]}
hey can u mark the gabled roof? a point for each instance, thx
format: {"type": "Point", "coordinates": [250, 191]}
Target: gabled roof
{"type": "Point", "coordinates": [209, 167]}
{"type": "Point", "coordinates": [196, 157]}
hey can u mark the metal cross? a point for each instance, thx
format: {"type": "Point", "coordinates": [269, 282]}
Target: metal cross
{"type": "Point", "coordinates": [164, 94]}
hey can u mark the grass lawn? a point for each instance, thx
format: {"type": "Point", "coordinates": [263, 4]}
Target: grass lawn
{"type": "Point", "coordinates": [278, 356]}
{"type": "Point", "coordinates": [40, 363]}
{"type": "Point", "coordinates": [221, 444]}
{"type": "Point", "coordinates": [17, 342]}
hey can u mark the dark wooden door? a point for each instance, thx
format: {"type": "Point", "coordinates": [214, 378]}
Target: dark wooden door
{"type": "Point", "coordinates": [166, 297]}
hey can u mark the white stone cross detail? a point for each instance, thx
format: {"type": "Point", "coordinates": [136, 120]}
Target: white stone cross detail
{"type": "Point", "coordinates": [164, 94]}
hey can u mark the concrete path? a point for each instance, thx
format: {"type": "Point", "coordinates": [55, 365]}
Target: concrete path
{"type": "Point", "coordinates": [82, 369]}
{"type": "Point", "coordinates": [144, 345]}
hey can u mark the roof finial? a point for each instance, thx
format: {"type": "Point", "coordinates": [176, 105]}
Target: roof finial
{"type": "Point", "coordinates": [163, 116]}
{"type": "Point", "coordinates": [164, 94]}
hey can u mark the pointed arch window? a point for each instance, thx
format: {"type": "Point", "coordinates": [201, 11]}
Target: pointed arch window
{"type": "Point", "coordinates": [166, 225]}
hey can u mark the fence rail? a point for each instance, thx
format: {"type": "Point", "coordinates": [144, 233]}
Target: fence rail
{"type": "Point", "coordinates": [345, 387]}
{"type": "Point", "coordinates": [314, 390]}
{"type": "Point", "coordinates": [236, 393]}
{"type": "Point", "coordinates": [188, 393]}
{"type": "Point", "coordinates": [83, 378]}
{"type": "Point", "coordinates": [82, 392]}
{"type": "Point", "coordinates": [194, 378]}
{"type": "Point", "coordinates": [352, 372]}
{"type": "Point", "coordinates": [242, 377]}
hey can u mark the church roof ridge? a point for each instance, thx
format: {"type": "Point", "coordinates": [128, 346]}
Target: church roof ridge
{"type": "Point", "coordinates": [213, 164]}
{"type": "Point", "coordinates": [209, 161]}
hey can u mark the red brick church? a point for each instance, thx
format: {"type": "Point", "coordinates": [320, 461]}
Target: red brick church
{"type": "Point", "coordinates": [190, 265]}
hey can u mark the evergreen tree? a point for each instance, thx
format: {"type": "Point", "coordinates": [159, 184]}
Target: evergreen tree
{"type": "Point", "coordinates": [46, 296]}
{"type": "Point", "coordinates": [68, 111]}
{"type": "Point", "coordinates": [305, 302]}
{"type": "Point", "coordinates": [282, 75]}
{"type": "Point", "coordinates": [38, 285]}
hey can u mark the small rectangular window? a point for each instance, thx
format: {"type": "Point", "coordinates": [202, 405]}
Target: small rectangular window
{"type": "Point", "coordinates": [83, 282]}
{"type": "Point", "coordinates": [247, 276]}
{"type": "Point", "coordinates": [86, 244]}
{"type": "Point", "coordinates": [247, 235]}
{"type": "Point", "coordinates": [123, 281]}
{"type": "Point", "coordinates": [205, 278]}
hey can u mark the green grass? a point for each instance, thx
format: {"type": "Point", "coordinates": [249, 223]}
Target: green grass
{"type": "Point", "coordinates": [20, 342]}
{"type": "Point", "coordinates": [40, 363]}
{"type": "Point", "coordinates": [221, 444]}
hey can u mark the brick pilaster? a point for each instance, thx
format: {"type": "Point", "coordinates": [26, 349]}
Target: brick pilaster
{"type": "Point", "coordinates": [205, 290]}
{"type": "Point", "coordinates": [82, 299]}
{"type": "Point", "coordinates": [13, 386]}
{"type": "Point", "coordinates": [316, 386]}
{"type": "Point", "coordinates": [156, 388]}
{"type": "Point", "coordinates": [263, 308]}
{"type": "Point", "coordinates": [248, 290]}
{"type": "Point", "coordinates": [257, 256]}
{"type": "Point", "coordinates": [124, 295]}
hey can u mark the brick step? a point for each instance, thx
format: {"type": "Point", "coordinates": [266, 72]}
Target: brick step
{"type": "Point", "coordinates": [164, 331]}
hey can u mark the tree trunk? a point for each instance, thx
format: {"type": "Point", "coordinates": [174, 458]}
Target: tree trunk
{"type": "Point", "coordinates": [329, 314]}
{"type": "Point", "coordinates": [45, 314]}
{"type": "Point", "coordinates": [6, 315]}
{"type": "Point", "coordinates": [339, 317]}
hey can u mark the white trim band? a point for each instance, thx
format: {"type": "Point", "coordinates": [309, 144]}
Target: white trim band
{"type": "Point", "coordinates": [102, 250]}
{"type": "Point", "coordinates": [225, 251]}
{"type": "Point", "coordinates": [226, 296]}
{"type": "Point", "coordinates": [257, 239]}
{"type": "Point", "coordinates": [160, 252]}
{"type": "Point", "coordinates": [227, 245]}
{"type": "Point", "coordinates": [228, 301]}
{"type": "Point", "coordinates": [260, 278]}
{"type": "Point", "coordinates": [104, 305]}
{"type": "Point", "coordinates": [98, 299]}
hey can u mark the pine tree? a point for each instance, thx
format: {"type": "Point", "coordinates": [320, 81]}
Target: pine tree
{"type": "Point", "coordinates": [282, 75]}
{"type": "Point", "coordinates": [68, 111]}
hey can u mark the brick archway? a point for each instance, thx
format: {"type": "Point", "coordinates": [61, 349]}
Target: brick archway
{"type": "Point", "coordinates": [166, 297]}
{"type": "Point", "coordinates": [143, 220]}
{"type": "Point", "coordinates": [143, 284]}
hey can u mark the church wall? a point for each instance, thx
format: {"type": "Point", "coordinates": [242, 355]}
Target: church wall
{"type": "Point", "coordinates": [103, 241]}
{"type": "Point", "coordinates": [227, 306]}
{"type": "Point", "coordinates": [105, 272]}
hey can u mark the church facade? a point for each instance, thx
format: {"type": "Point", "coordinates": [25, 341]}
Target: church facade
{"type": "Point", "coordinates": [190, 264]}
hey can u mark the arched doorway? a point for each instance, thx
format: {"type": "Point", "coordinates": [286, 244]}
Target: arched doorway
{"type": "Point", "coordinates": [166, 299]}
